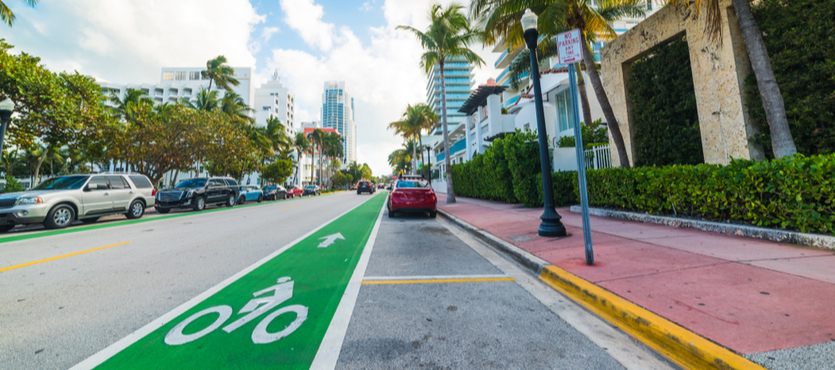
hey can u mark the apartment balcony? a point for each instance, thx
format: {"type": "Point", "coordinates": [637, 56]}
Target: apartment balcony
{"type": "Point", "coordinates": [454, 148]}
{"type": "Point", "coordinates": [511, 101]}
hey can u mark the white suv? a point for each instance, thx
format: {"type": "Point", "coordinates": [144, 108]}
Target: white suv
{"type": "Point", "coordinates": [59, 201]}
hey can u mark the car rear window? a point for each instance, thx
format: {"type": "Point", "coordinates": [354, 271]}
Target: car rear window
{"type": "Point", "coordinates": [141, 182]}
{"type": "Point", "coordinates": [414, 184]}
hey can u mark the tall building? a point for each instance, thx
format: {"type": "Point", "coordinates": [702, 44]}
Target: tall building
{"type": "Point", "coordinates": [458, 77]}
{"type": "Point", "coordinates": [338, 114]}
{"type": "Point", "coordinates": [181, 83]}
{"type": "Point", "coordinates": [273, 99]}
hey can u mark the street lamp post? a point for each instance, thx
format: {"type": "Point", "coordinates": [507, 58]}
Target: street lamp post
{"type": "Point", "coordinates": [550, 225]}
{"type": "Point", "coordinates": [6, 109]}
{"type": "Point", "coordinates": [429, 163]}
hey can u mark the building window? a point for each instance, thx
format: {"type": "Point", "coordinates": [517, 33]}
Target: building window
{"type": "Point", "coordinates": [186, 91]}
{"type": "Point", "coordinates": [167, 76]}
{"type": "Point", "coordinates": [565, 112]}
{"type": "Point", "coordinates": [158, 91]}
{"type": "Point", "coordinates": [194, 75]}
{"type": "Point", "coordinates": [172, 91]}
{"type": "Point", "coordinates": [266, 108]}
{"type": "Point", "coordinates": [180, 76]}
{"type": "Point", "coordinates": [649, 4]}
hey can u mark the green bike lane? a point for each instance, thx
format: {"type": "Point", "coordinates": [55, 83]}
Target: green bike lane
{"type": "Point", "coordinates": [276, 313]}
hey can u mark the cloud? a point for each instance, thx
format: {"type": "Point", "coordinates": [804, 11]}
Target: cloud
{"type": "Point", "coordinates": [305, 17]}
{"type": "Point", "coordinates": [382, 74]}
{"type": "Point", "coordinates": [367, 6]}
{"type": "Point", "coordinates": [268, 32]}
{"type": "Point", "coordinates": [129, 41]}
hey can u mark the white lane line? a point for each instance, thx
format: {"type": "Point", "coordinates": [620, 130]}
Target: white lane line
{"type": "Point", "coordinates": [331, 345]}
{"type": "Point", "coordinates": [434, 277]}
{"type": "Point", "coordinates": [102, 356]}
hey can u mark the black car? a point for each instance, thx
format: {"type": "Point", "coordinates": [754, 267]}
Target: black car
{"type": "Point", "coordinates": [365, 186]}
{"type": "Point", "coordinates": [312, 190]}
{"type": "Point", "coordinates": [275, 192]}
{"type": "Point", "coordinates": [197, 193]}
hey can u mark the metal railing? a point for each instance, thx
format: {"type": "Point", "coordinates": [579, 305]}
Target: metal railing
{"type": "Point", "coordinates": [598, 157]}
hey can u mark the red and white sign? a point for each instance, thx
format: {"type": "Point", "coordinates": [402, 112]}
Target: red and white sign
{"type": "Point", "coordinates": [569, 47]}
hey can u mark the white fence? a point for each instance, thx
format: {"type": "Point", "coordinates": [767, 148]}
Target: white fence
{"type": "Point", "coordinates": [598, 157]}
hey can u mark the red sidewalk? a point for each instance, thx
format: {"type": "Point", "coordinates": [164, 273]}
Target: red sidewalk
{"type": "Point", "coordinates": [745, 294]}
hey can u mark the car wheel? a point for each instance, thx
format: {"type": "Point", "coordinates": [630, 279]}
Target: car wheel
{"type": "Point", "coordinates": [284, 197]}
{"type": "Point", "coordinates": [136, 210]}
{"type": "Point", "coordinates": [231, 200]}
{"type": "Point", "coordinates": [6, 228]}
{"type": "Point", "coordinates": [163, 210]}
{"type": "Point", "coordinates": [59, 217]}
{"type": "Point", "coordinates": [433, 214]}
{"type": "Point", "coordinates": [260, 198]}
{"type": "Point", "coordinates": [199, 204]}
{"type": "Point", "coordinates": [91, 220]}
{"type": "Point", "coordinates": [391, 214]}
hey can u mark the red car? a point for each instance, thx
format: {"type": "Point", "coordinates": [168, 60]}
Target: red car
{"type": "Point", "coordinates": [293, 192]}
{"type": "Point", "coordinates": [412, 194]}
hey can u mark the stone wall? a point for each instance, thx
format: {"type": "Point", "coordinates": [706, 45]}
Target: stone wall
{"type": "Point", "coordinates": [719, 71]}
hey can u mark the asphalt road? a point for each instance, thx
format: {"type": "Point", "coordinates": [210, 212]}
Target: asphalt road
{"type": "Point", "coordinates": [482, 321]}
{"type": "Point", "coordinates": [422, 294]}
{"type": "Point", "coordinates": [57, 313]}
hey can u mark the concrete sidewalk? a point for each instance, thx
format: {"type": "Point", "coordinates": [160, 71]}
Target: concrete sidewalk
{"type": "Point", "coordinates": [748, 295]}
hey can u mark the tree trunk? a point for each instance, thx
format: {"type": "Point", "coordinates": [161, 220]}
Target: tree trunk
{"type": "Point", "coordinates": [782, 143]}
{"type": "Point", "coordinates": [414, 158]}
{"type": "Point", "coordinates": [210, 84]}
{"type": "Point", "coordinates": [614, 128]}
{"type": "Point", "coordinates": [36, 180]}
{"type": "Point", "coordinates": [450, 195]}
{"type": "Point", "coordinates": [584, 98]}
{"type": "Point", "coordinates": [422, 161]}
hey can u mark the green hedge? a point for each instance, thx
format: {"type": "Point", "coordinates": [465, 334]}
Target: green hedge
{"type": "Point", "coordinates": [664, 107]}
{"type": "Point", "coordinates": [801, 47]}
{"type": "Point", "coordinates": [796, 193]}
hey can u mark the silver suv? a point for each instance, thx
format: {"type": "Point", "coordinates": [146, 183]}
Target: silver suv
{"type": "Point", "coordinates": [59, 201]}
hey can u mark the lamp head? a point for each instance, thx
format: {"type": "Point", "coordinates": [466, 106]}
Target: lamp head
{"type": "Point", "coordinates": [529, 20]}
{"type": "Point", "coordinates": [6, 109]}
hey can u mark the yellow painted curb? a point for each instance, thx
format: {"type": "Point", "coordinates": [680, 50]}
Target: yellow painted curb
{"type": "Point", "coordinates": [685, 348]}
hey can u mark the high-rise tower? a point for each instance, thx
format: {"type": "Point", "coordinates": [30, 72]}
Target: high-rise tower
{"type": "Point", "coordinates": [338, 114]}
{"type": "Point", "coordinates": [458, 75]}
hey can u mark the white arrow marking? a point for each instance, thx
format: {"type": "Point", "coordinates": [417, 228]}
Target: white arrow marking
{"type": "Point", "coordinates": [330, 239]}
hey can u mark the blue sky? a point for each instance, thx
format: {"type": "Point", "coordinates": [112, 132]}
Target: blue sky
{"type": "Point", "coordinates": [307, 41]}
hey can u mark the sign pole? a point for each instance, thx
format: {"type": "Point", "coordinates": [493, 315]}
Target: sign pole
{"type": "Point", "coordinates": [570, 52]}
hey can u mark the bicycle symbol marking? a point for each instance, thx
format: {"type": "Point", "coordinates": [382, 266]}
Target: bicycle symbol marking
{"type": "Point", "coordinates": [254, 308]}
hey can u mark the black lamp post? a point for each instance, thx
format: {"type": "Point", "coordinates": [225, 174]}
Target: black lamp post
{"type": "Point", "coordinates": [6, 109]}
{"type": "Point", "coordinates": [550, 225]}
{"type": "Point", "coordinates": [429, 163]}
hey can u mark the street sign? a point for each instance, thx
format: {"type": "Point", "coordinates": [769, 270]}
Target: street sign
{"type": "Point", "coordinates": [569, 47]}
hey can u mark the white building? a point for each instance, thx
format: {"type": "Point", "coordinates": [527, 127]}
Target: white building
{"type": "Point", "coordinates": [273, 99]}
{"type": "Point", "coordinates": [338, 114]}
{"type": "Point", "coordinates": [177, 83]}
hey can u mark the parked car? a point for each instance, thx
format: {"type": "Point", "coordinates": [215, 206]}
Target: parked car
{"type": "Point", "coordinates": [381, 186]}
{"type": "Point", "coordinates": [365, 186]}
{"type": "Point", "coordinates": [412, 195]}
{"type": "Point", "coordinates": [59, 201]}
{"type": "Point", "coordinates": [275, 192]}
{"type": "Point", "coordinates": [250, 193]}
{"type": "Point", "coordinates": [196, 193]}
{"type": "Point", "coordinates": [312, 190]}
{"type": "Point", "coordinates": [293, 191]}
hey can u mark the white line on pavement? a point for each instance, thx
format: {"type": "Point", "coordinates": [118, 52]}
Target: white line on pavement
{"type": "Point", "coordinates": [331, 345]}
{"type": "Point", "coordinates": [102, 356]}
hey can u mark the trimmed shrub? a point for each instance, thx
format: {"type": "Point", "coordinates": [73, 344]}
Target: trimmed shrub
{"type": "Point", "coordinates": [522, 153]}
{"type": "Point", "coordinates": [665, 116]}
{"type": "Point", "coordinates": [798, 37]}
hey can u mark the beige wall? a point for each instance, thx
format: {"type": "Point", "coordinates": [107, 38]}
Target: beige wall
{"type": "Point", "coordinates": [719, 71]}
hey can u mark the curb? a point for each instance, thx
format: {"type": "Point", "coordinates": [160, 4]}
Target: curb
{"type": "Point", "coordinates": [679, 345]}
{"type": "Point", "coordinates": [753, 232]}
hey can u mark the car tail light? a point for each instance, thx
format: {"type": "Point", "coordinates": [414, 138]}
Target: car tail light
{"type": "Point", "coordinates": [398, 193]}
{"type": "Point", "coordinates": [153, 192]}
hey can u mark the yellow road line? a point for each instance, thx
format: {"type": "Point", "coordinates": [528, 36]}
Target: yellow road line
{"type": "Point", "coordinates": [291, 207]}
{"type": "Point", "coordinates": [434, 281]}
{"type": "Point", "coordinates": [59, 257]}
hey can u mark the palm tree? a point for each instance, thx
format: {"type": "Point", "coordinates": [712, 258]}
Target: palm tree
{"type": "Point", "coordinates": [448, 36]}
{"type": "Point", "coordinates": [316, 141]}
{"type": "Point", "coordinates": [205, 101]}
{"type": "Point", "coordinates": [429, 121]}
{"type": "Point", "coordinates": [220, 73]}
{"type": "Point", "coordinates": [6, 14]}
{"type": "Point", "coordinates": [782, 142]}
{"type": "Point", "coordinates": [301, 144]}
{"type": "Point", "coordinates": [235, 106]}
{"type": "Point", "coordinates": [410, 126]}
{"type": "Point", "coordinates": [125, 107]}
{"type": "Point", "coordinates": [502, 23]}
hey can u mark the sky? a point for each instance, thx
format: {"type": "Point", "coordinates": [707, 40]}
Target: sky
{"type": "Point", "coordinates": [307, 41]}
